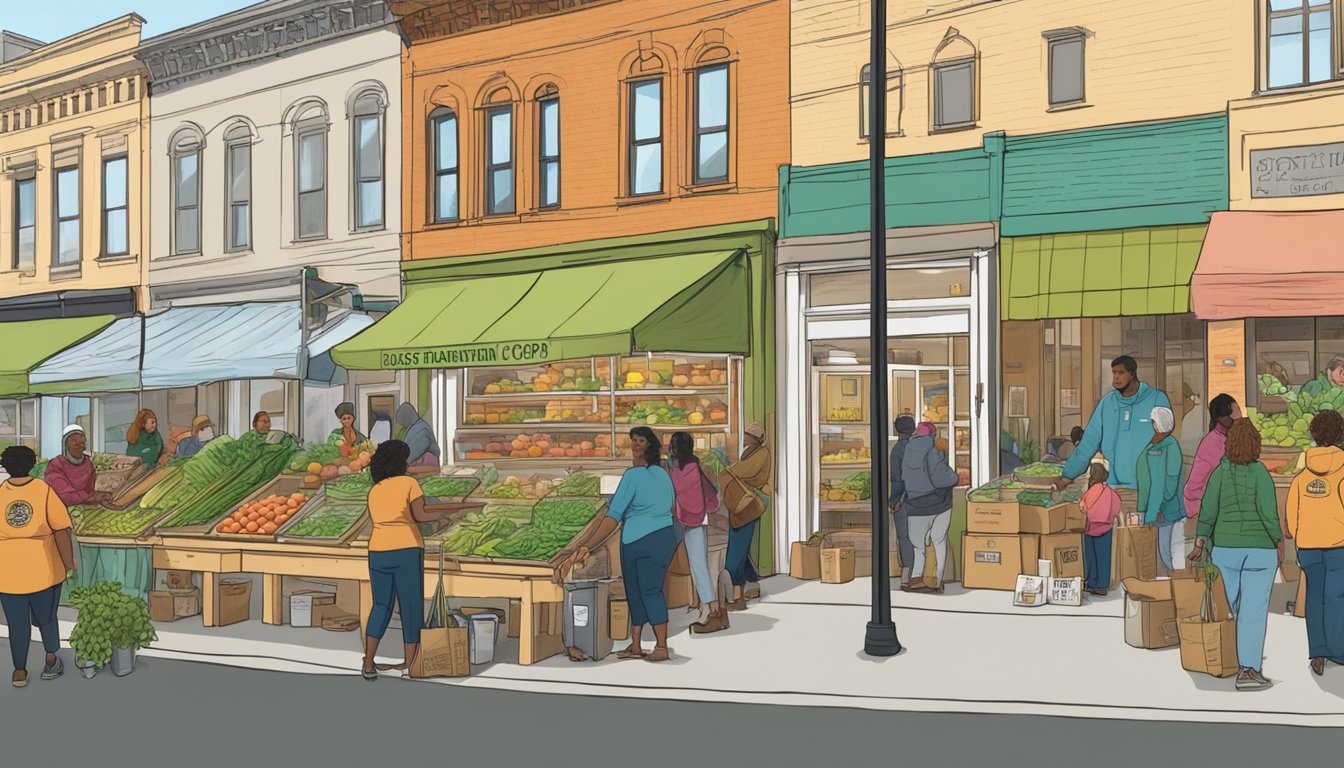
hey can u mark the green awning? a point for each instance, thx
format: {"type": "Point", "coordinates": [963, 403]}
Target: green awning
{"type": "Point", "coordinates": [26, 343]}
{"type": "Point", "coordinates": [695, 302]}
{"type": "Point", "coordinates": [1115, 273]}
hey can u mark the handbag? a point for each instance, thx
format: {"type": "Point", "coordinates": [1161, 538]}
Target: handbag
{"type": "Point", "coordinates": [748, 508]}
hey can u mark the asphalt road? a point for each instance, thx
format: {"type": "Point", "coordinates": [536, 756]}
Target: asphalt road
{"type": "Point", "coordinates": [170, 713]}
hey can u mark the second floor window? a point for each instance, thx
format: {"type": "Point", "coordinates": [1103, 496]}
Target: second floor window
{"type": "Point", "coordinates": [240, 194]}
{"type": "Point", "coordinates": [186, 191]}
{"type": "Point", "coordinates": [1067, 67]}
{"type": "Point", "coordinates": [312, 182]}
{"type": "Point", "coordinates": [367, 127]}
{"type": "Point", "coordinates": [711, 124]}
{"type": "Point", "coordinates": [444, 126]}
{"type": "Point", "coordinates": [548, 151]}
{"type": "Point", "coordinates": [499, 161]}
{"type": "Point", "coordinates": [25, 223]}
{"type": "Point", "coordinates": [68, 230]}
{"type": "Point", "coordinates": [646, 137]}
{"type": "Point", "coordinates": [1301, 42]}
{"type": "Point", "coordinates": [954, 95]}
{"type": "Point", "coordinates": [116, 220]}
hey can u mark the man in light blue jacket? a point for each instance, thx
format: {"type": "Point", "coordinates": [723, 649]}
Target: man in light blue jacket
{"type": "Point", "coordinates": [1120, 428]}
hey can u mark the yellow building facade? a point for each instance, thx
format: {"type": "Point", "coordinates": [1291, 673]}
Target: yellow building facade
{"type": "Point", "coordinates": [74, 156]}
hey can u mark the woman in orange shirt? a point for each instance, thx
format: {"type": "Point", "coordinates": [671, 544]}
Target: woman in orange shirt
{"type": "Point", "coordinates": [396, 554]}
{"type": "Point", "coordinates": [36, 552]}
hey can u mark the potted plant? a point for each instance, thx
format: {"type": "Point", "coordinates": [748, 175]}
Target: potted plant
{"type": "Point", "coordinates": [111, 627]}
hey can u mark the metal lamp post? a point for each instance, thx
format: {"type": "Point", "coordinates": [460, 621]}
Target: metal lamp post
{"type": "Point", "coordinates": [880, 638]}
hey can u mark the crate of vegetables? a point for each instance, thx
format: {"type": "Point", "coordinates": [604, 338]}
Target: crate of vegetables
{"type": "Point", "coordinates": [554, 524]}
{"type": "Point", "coordinates": [582, 485]}
{"type": "Point", "coordinates": [516, 490]}
{"type": "Point", "coordinates": [447, 489]}
{"type": "Point", "coordinates": [114, 472]}
{"type": "Point", "coordinates": [96, 521]}
{"type": "Point", "coordinates": [262, 514]}
{"type": "Point", "coordinates": [325, 520]}
{"type": "Point", "coordinates": [1038, 475]}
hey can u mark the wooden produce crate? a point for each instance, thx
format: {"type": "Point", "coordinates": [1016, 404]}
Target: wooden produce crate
{"type": "Point", "coordinates": [85, 523]}
{"type": "Point", "coordinates": [201, 529]}
{"type": "Point", "coordinates": [449, 503]}
{"type": "Point", "coordinates": [555, 561]}
{"type": "Point", "coordinates": [280, 486]}
{"type": "Point", "coordinates": [131, 492]}
{"type": "Point", "coordinates": [124, 470]}
{"type": "Point", "coordinates": [315, 504]}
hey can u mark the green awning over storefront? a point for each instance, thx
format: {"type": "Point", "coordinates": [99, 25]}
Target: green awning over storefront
{"type": "Point", "coordinates": [26, 343]}
{"type": "Point", "coordinates": [1115, 273]}
{"type": "Point", "coordinates": [696, 302]}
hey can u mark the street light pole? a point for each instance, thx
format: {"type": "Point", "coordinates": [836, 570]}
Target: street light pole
{"type": "Point", "coordinates": [880, 639]}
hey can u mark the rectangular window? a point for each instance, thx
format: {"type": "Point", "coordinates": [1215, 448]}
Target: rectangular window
{"type": "Point", "coordinates": [646, 137]}
{"type": "Point", "coordinates": [240, 197]}
{"type": "Point", "coordinates": [312, 204]}
{"type": "Point", "coordinates": [895, 100]}
{"type": "Point", "coordinates": [187, 203]}
{"type": "Point", "coordinates": [1066, 70]}
{"type": "Point", "coordinates": [954, 95]}
{"type": "Point", "coordinates": [445, 168]}
{"type": "Point", "coordinates": [548, 154]}
{"type": "Point", "coordinates": [68, 232]}
{"type": "Point", "coordinates": [116, 217]}
{"type": "Point", "coordinates": [499, 163]}
{"type": "Point", "coordinates": [368, 172]}
{"type": "Point", "coordinates": [25, 223]}
{"type": "Point", "coordinates": [1301, 49]}
{"type": "Point", "coordinates": [711, 124]}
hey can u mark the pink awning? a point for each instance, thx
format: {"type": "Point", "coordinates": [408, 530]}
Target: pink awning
{"type": "Point", "coordinates": [1270, 265]}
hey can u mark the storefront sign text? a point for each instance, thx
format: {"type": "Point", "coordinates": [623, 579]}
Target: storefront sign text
{"type": "Point", "coordinates": [460, 357]}
{"type": "Point", "coordinates": [1298, 171]}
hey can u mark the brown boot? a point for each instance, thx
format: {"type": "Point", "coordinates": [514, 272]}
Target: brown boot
{"type": "Point", "coordinates": [717, 621]}
{"type": "Point", "coordinates": [739, 604]}
{"type": "Point", "coordinates": [915, 585]}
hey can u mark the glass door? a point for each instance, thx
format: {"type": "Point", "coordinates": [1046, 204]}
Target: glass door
{"type": "Point", "coordinates": [939, 395]}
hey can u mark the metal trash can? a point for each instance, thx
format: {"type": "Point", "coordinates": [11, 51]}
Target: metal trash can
{"type": "Point", "coordinates": [483, 633]}
{"type": "Point", "coordinates": [585, 625]}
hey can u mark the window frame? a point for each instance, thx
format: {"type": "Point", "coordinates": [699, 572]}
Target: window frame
{"type": "Point", "coordinates": [436, 118]}
{"type": "Point", "coordinates": [1304, 12]}
{"type": "Point", "coordinates": [124, 208]}
{"type": "Point", "coordinates": [303, 129]}
{"type": "Point", "coordinates": [56, 264]}
{"type": "Point", "coordinates": [698, 131]}
{"type": "Point", "coordinates": [865, 88]}
{"type": "Point", "coordinates": [183, 147]}
{"type": "Point", "coordinates": [238, 143]}
{"type": "Point", "coordinates": [367, 106]}
{"type": "Point", "coordinates": [548, 164]}
{"type": "Point", "coordinates": [1056, 38]}
{"type": "Point", "coordinates": [633, 144]}
{"type": "Point", "coordinates": [29, 178]}
{"type": "Point", "coordinates": [938, 67]}
{"type": "Point", "coordinates": [490, 167]}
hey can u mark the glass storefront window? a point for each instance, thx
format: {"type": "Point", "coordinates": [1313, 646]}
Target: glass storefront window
{"type": "Point", "coordinates": [269, 396]}
{"type": "Point", "coordinates": [18, 423]}
{"type": "Point", "coordinates": [849, 288]}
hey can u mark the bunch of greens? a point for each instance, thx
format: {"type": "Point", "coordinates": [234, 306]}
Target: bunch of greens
{"type": "Point", "coordinates": [109, 618]}
{"type": "Point", "coordinates": [120, 523]}
{"type": "Point", "coordinates": [555, 523]}
{"type": "Point", "coordinates": [481, 530]}
{"type": "Point", "coordinates": [102, 462]}
{"type": "Point", "coordinates": [352, 487]}
{"type": "Point", "coordinates": [1040, 470]}
{"type": "Point", "coordinates": [505, 491]}
{"type": "Point", "coordinates": [329, 522]}
{"type": "Point", "coordinates": [862, 482]}
{"type": "Point", "coordinates": [579, 484]}
{"type": "Point", "coordinates": [447, 487]}
{"type": "Point", "coordinates": [217, 479]}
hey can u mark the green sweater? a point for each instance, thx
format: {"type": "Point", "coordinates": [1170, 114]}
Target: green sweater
{"type": "Point", "coordinates": [148, 449]}
{"type": "Point", "coordinates": [1239, 508]}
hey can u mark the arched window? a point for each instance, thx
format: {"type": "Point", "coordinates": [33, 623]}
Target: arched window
{"type": "Point", "coordinates": [238, 186]}
{"type": "Point", "coordinates": [711, 149]}
{"type": "Point", "coordinates": [548, 146]}
{"type": "Point", "coordinates": [499, 165]}
{"type": "Point", "coordinates": [443, 135]}
{"type": "Point", "coordinates": [895, 98]}
{"type": "Point", "coordinates": [309, 127]}
{"type": "Point", "coordinates": [185, 148]}
{"type": "Point", "coordinates": [955, 79]}
{"type": "Point", "coordinates": [367, 151]}
{"type": "Point", "coordinates": [645, 157]}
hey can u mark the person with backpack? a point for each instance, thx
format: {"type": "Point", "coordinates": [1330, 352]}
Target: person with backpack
{"type": "Point", "coordinates": [697, 499]}
{"type": "Point", "coordinates": [929, 481]}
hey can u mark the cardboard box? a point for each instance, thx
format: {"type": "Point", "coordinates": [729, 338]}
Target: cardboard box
{"type": "Point", "coordinates": [1150, 623]}
{"type": "Point", "coordinates": [837, 565]}
{"type": "Point", "coordinates": [235, 601]}
{"type": "Point", "coordinates": [1185, 589]}
{"type": "Point", "coordinates": [861, 541]}
{"type": "Point", "coordinates": [186, 602]}
{"type": "Point", "coordinates": [1065, 553]}
{"type": "Point", "coordinates": [995, 561]}
{"type": "Point", "coordinates": [1074, 518]}
{"type": "Point", "coordinates": [178, 580]}
{"type": "Point", "coordinates": [1135, 554]}
{"type": "Point", "coordinates": [302, 605]}
{"type": "Point", "coordinates": [325, 613]}
{"type": "Point", "coordinates": [618, 621]}
{"type": "Point", "coordinates": [679, 589]}
{"type": "Point", "coordinates": [161, 606]}
{"type": "Point", "coordinates": [805, 560]}
{"type": "Point", "coordinates": [1011, 517]}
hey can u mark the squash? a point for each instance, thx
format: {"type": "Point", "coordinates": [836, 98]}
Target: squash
{"type": "Point", "coordinates": [681, 381]}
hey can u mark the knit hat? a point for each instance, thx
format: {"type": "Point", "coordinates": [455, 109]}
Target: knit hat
{"type": "Point", "coordinates": [905, 424]}
{"type": "Point", "coordinates": [756, 429]}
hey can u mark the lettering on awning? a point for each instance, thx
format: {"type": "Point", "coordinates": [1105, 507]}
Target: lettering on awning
{"type": "Point", "coordinates": [463, 357]}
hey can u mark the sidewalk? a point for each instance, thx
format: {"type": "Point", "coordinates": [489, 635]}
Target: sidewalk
{"type": "Point", "coordinates": [969, 652]}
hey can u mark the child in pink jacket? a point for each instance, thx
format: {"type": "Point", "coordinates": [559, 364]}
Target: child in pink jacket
{"type": "Point", "coordinates": [1101, 507]}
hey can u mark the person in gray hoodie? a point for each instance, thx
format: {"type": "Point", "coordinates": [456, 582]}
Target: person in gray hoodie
{"type": "Point", "coordinates": [419, 436]}
{"type": "Point", "coordinates": [905, 428]}
{"type": "Point", "coordinates": [929, 481]}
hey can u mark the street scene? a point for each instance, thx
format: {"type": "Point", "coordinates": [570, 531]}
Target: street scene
{"type": "Point", "coordinates": [939, 367]}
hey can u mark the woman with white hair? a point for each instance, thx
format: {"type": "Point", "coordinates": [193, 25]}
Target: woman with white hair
{"type": "Point", "coordinates": [1160, 489]}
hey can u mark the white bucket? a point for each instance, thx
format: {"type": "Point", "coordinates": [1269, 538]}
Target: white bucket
{"type": "Point", "coordinates": [484, 630]}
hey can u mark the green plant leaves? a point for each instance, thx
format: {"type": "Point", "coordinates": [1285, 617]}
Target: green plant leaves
{"type": "Point", "coordinates": [109, 618]}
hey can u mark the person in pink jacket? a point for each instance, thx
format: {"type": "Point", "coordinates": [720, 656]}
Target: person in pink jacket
{"type": "Point", "coordinates": [1223, 410]}
{"type": "Point", "coordinates": [1101, 506]}
{"type": "Point", "coordinates": [696, 505]}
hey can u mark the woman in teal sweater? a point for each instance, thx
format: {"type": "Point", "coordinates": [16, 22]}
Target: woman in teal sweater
{"type": "Point", "coordinates": [1160, 489]}
{"type": "Point", "coordinates": [1241, 515]}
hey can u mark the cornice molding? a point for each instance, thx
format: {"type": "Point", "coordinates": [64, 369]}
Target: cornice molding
{"type": "Point", "coordinates": [423, 20]}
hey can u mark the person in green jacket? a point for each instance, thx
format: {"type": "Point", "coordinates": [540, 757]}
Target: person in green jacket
{"type": "Point", "coordinates": [1331, 377]}
{"type": "Point", "coordinates": [143, 440]}
{"type": "Point", "coordinates": [1240, 514]}
{"type": "Point", "coordinates": [1159, 482]}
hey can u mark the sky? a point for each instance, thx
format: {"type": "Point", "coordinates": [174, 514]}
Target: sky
{"type": "Point", "coordinates": [51, 20]}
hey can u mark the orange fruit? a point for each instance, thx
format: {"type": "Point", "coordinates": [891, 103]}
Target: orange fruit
{"type": "Point", "coordinates": [252, 526]}
{"type": "Point", "coordinates": [268, 528]}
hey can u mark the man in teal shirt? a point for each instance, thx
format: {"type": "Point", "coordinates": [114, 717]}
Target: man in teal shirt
{"type": "Point", "coordinates": [1120, 427]}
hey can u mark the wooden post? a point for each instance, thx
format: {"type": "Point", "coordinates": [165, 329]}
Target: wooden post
{"type": "Point", "coordinates": [527, 629]}
{"type": "Point", "coordinates": [210, 599]}
{"type": "Point", "coordinates": [272, 599]}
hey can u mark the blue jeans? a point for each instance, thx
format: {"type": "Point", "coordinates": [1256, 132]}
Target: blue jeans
{"type": "Point", "coordinates": [696, 538]}
{"type": "Point", "coordinates": [738, 560]}
{"type": "Point", "coordinates": [644, 568]}
{"type": "Point", "coordinates": [1324, 572]}
{"type": "Point", "coordinates": [1248, 577]}
{"type": "Point", "coordinates": [1097, 560]}
{"type": "Point", "coordinates": [904, 545]}
{"type": "Point", "coordinates": [400, 575]}
{"type": "Point", "coordinates": [22, 613]}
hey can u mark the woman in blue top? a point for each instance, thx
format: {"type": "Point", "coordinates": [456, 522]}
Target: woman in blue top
{"type": "Point", "coordinates": [1161, 497]}
{"type": "Point", "coordinates": [642, 507]}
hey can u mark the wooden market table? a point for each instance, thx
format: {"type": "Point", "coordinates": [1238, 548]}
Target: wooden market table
{"type": "Point", "coordinates": [530, 584]}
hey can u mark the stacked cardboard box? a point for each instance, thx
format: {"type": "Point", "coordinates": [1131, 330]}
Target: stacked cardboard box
{"type": "Point", "coordinates": [1155, 608]}
{"type": "Point", "coordinates": [1005, 539]}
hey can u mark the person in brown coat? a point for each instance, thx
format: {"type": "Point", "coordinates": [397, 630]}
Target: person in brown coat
{"type": "Point", "coordinates": [746, 496]}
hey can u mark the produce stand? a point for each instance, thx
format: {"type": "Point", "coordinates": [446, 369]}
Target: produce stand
{"type": "Point", "coordinates": [284, 485]}
{"type": "Point", "coordinates": [323, 513]}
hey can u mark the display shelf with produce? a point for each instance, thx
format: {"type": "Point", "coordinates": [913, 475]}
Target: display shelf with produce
{"type": "Point", "coordinates": [131, 523]}
{"type": "Point", "coordinates": [262, 514]}
{"type": "Point", "coordinates": [220, 477]}
{"type": "Point", "coordinates": [324, 520]}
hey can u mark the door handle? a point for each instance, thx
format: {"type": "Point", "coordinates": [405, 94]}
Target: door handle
{"type": "Point", "coordinates": [979, 397]}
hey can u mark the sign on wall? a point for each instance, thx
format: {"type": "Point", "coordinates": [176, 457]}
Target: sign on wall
{"type": "Point", "coordinates": [1298, 171]}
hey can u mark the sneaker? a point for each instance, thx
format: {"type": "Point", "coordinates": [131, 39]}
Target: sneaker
{"type": "Point", "coordinates": [1259, 676]}
{"type": "Point", "coordinates": [53, 671]}
{"type": "Point", "coordinates": [1248, 680]}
